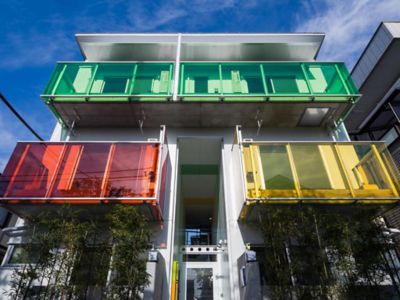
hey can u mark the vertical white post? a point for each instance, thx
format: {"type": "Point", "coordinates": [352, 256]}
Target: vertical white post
{"type": "Point", "coordinates": [175, 90]}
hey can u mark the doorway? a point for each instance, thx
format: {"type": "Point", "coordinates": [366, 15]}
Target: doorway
{"type": "Point", "coordinates": [200, 224]}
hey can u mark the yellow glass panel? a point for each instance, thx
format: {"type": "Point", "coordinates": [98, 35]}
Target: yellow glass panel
{"type": "Point", "coordinates": [331, 172]}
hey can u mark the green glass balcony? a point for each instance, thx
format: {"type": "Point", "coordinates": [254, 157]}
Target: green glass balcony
{"type": "Point", "coordinates": [272, 81]}
{"type": "Point", "coordinates": [110, 82]}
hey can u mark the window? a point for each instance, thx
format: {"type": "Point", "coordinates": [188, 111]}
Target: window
{"type": "Point", "coordinates": [24, 254]}
{"type": "Point", "coordinates": [201, 85]}
{"type": "Point", "coordinates": [282, 84]}
{"type": "Point", "coordinates": [115, 84]}
{"type": "Point", "coordinates": [390, 136]}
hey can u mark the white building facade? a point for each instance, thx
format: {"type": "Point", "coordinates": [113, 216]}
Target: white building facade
{"type": "Point", "coordinates": [207, 130]}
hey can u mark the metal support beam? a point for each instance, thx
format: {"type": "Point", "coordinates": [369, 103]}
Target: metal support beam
{"type": "Point", "coordinates": [175, 90]}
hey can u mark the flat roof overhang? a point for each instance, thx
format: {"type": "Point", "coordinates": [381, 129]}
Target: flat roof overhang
{"type": "Point", "coordinates": [193, 114]}
{"type": "Point", "coordinates": [200, 47]}
{"type": "Point", "coordinates": [378, 83]}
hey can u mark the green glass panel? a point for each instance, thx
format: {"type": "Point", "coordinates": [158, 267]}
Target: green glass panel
{"type": "Point", "coordinates": [112, 79]}
{"type": "Point", "coordinates": [347, 79]}
{"type": "Point", "coordinates": [276, 167]}
{"type": "Point", "coordinates": [289, 98]}
{"type": "Point", "coordinates": [324, 78]}
{"type": "Point", "coordinates": [248, 98]}
{"type": "Point", "coordinates": [152, 79]}
{"type": "Point", "coordinates": [242, 79]}
{"type": "Point", "coordinates": [54, 79]}
{"type": "Point", "coordinates": [285, 79]}
{"type": "Point", "coordinates": [99, 98]}
{"type": "Point", "coordinates": [328, 98]}
{"type": "Point", "coordinates": [201, 79]}
{"type": "Point", "coordinates": [75, 79]}
{"type": "Point", "coordinates": [310, 167]}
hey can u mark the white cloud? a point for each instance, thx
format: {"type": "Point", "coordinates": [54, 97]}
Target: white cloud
{"type": "Point", "coordinates": [51, 39]}
{"type": "Point", "coordinates": [348, 24]}
{"type": "Point", "coordinates": [152, 17]}
{"type": "Point", "coordinates": [35, 49]}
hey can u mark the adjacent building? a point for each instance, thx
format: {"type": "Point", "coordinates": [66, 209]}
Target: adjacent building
{"type": "Point", "coordinates": [377, 76]}
{"type": "Point", "coordinates": [200, 132]}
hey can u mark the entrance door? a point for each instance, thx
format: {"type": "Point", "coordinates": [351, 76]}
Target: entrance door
{"type": "Point", "coordinates": [198, 281]}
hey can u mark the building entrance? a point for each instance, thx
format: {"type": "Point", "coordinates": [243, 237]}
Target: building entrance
{"type": "Point", "coordinates": [199, 281]}
{"type": "Point", "coordinates": [200, 225]}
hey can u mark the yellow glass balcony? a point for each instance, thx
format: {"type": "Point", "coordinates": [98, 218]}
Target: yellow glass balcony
{"type": "Point", "coordinates": [326, 173]}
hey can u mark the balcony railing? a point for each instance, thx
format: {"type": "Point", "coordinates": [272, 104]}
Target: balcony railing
{"type": "Point", "coordinates": [85, 173]}
{"type": "Point", "coordinates": [274, 81]}
{"type": "Point", "coordinates": [80, 81]}
{"type": "Point", "coordinates": [319, 172]}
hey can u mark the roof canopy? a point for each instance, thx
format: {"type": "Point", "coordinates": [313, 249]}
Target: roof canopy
{"type": "Point", "coordinates": [200, 47]}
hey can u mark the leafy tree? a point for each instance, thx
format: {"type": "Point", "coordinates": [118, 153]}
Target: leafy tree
{"type": "Point", "coordinates": [130, 237]}
{"type": "Point", "coordinates": [313, 252]}
{"type": "Point", "coordinates": [66, 255]}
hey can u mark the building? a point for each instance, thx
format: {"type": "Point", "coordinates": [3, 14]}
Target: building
{"type": "Point", "coordinates": [377, 76]}
{"type": "Point", "coordinates": [200, 132]}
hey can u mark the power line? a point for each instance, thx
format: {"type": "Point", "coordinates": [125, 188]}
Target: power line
{"type": "Point", "coordinates": [8, 104]}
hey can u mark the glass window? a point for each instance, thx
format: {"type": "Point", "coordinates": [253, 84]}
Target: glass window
{"type": "Point", "coordinates": [75, 79]}
{"type": "Point", "coordinates": [115, 84]}
{"type": "Point", "coordinates": [276, 167]}
{"type": "Point", "coordinates": [390, 136]}
{"type": "Point", "coordinates": [24, 254]}
{"type": "Point", "coordinates": [201, 79]}
{"type": "Point", "coordinates": [242, 79]}
{"type": "Point", "coordinates": [310, 167]}
{"type": "Point", "coordinates": [152, 79]}
{"type": "Point", "coordinates": [30, 170]}
{"type": "Point", "coordinates": [364, 168]}
{"type": "Point", "coordinates": [199, 283]}
{"type": "Point", "coordinates": [112, 79]}
{"type": "Point", "coordinates": [325, 79]}
{"type": "Point", "coordinates": [82, 170]}
{"type": "Point", "coordinates": [133, 177]}
{"type": "Point", "coordinates": [285, 79]}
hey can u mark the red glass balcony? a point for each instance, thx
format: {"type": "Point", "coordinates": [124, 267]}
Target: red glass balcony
{"type": "Point", "coordinates": [85, 173]}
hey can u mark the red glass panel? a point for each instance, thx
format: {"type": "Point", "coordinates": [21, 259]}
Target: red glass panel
{"type": "Point", "coordinates": [31, 170]}
{"type": "Point", "coordinates": [132, 171]}
{"type": "Point", "coordinates": [82, 170]}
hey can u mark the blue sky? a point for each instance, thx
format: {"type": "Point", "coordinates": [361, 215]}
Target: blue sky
{"type": "Point", "coordinates": [36, 34]}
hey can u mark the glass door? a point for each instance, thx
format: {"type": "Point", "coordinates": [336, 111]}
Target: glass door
{"type": "Point", "coordinates": [198, 281]}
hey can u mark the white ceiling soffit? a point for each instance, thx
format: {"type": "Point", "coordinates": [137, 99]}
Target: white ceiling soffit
{"type": "Point", "coordinates": [200, 47]}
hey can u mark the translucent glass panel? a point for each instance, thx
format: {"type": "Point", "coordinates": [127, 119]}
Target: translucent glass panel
{"type": "Point", "coordinates": [319, 171]}
{"type": "Point", "coordinates": [112, 79]}
{"type": "Point", "coordinates": [96, 79]}
{"type": "Point", "coordinates": [73, 79]}
{"type": "Point", "coordinates": [242, 79]}
{"type": "Point", "coordinates": [285, 79]}
{"type": "Point", "coordinates": [199, 283]}
{"type": "Point", "coordinates": [81, 170]}
{"type": "Point", "coordinates": [302, 80]}
{"type": "Point", "coordinates": [152, 79]}
{"type": "Point", "coordinates": [200, 79]}
{"type": "Point", "coordinates": [325, 79]}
